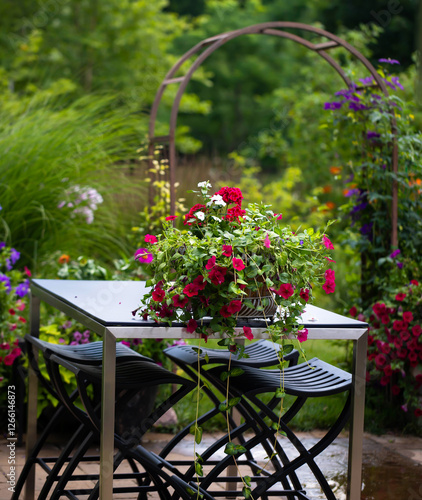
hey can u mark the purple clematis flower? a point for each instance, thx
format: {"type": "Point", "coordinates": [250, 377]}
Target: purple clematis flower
{"type": "Point", "coordinates": [6, 280]}
{"type": "Point", "coordinates": [388, 61]}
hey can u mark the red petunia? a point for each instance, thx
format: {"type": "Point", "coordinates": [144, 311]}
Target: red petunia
{"type": "Point", "coordinates": [385, 319]}
{"type": "Point", "coordinates": [238, 264]}
{"type": "Point", "coordinates": [380, 360]}
{"type": "Point", "coordinates": [379, 309]}
{"type": "Point", "coordinates": [199, 282]}
{"type": "Point", "coordinates": [22, 320]}
{"type": "Point", "coordinates": [178, 302]}
{"type": "Point", "coordinates": [150, 238]}
{"type": "Point", "coordinates": [398, 325]}
{"type": "Point", "coordinates": [224, 311]}
{"type": "Point", "coordinates": [329, 286]}
{"type": "Point", "coordinates": [227, 250]}
{"type": "Point", "coordinates": [353, 312]}
{"type": "Point", "coordinates": [191, 326]}
{"type": "Point", "coordinates": [400, 297]}
{"type": "Point", "coordinates": [217, 275]}
{"type": "Point", "coordinates": [395, 389]}
{"type": "Point", "coordinates": [304, 294]}
{"type": "Point", "coordinates": [234, 306]}
{"type": "Point", "coordinates": [204, 300]}
{"type": "Point", "coordinates": [414, 282]}
{"type": "Point", "coordinates": [231, 195]}
{"type": "Point", "coordinates": [388, 371]}
{"type": "Point", "coordinates": [191, 214]}
{"type": "Point", "coordinates": [191, 290]}
{"type": "Point", "coordinates": [286, 290]}
{"type": "Point", "coordinates": [171, 217]}
{"type": "Point", "coordinates": [158, 294]}
{"type": "Point", "coordinates": [234, 213]}
{"type": "Point", "coordinates": [211, 263]}
{"type": "Point", "coordinates": [417, 330]}
{"type": "Point", "coordinates": [404, 335]}
{"type": "Point", "coordinates": [385, 347]}
{"type": "Point", "coordinates": [247, 332]}
{"type": "Point", "coordinates": [408, 316]}
{"type": "Point", "coordinates": [418, 412]}
{"type": "Point", "coordinates": [384, 380]}
{"type": "Point", "coordinates": [12, 312]}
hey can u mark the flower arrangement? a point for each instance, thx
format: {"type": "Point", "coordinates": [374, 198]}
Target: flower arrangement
{"type": "Point", "coordinates": [229, 263]}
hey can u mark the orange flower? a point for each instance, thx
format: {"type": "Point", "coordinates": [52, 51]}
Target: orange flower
{"type": "Point", "coordinates": [335, 170]}
{"type": "Point", "coordinates": [327, 189]}
{"type": "Point", "coordinates": [64, 259]}
{"type": "Point", "coordinates": [330, 205]}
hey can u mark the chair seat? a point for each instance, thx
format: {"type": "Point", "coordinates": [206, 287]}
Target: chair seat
{"type": "Point", "coordinates": [262, 353]}
{"type": "Point", "coordinates": [311, 379]}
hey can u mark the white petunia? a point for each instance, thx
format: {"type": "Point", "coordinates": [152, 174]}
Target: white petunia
{"type": "Point", "coordinates": [217, 200]}
{"type": "Point", "coordinates": [200, 215]}
{"type": "Point", "coordinates": [204, 184]}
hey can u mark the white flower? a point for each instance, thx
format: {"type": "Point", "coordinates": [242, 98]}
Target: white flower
{"type": "Point", "coordinates": [217, 200]}
{"type": "Point", "coordinates": [200, 215]}
{"type": "Point", "coordinates": [204, 184]}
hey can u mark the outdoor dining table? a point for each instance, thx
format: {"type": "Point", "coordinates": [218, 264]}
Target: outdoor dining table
{"type": "Point", "coordinates": [105, 307]}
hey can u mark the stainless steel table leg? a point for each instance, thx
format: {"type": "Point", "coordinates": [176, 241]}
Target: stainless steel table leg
{"type": "Point", "coordinates": [31, 434]}
{"type": "Point", "coordinates": [107, 416]}
{"type": "Point", "coordinates": [354, 483]}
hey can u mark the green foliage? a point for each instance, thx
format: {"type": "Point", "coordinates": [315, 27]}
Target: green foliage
{"type": "Point", "coordinates": [52, 153]}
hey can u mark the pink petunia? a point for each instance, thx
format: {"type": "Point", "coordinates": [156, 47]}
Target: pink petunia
{"type": "Point", "coordinates": [329, 286]}
{"type": "Point", "coordinates": [150, 238]}
{"type": "Point", "coordinates": [238, 264]}
{"type": "Point", "coordinates": [330, 275]}
{"type": "Point", "coordinates": [247, 332]}
{"type": "Point", "coordinates": [279, 216]}
{"type": "Point", "coordinates": [27, 272]}
{"type": "Point", "coordinates": [191, 326]}
{"type": "Point", "coordinates": [304, 294]}
{"type": "Point", "coordinates": [286, 290]}
{"type": "Point", "coordinates": [143, 256]}
{"type": "Point", "coordinates": [327, 243]}
{"type": "Point", "coordinates": [302, 335]}
{"type": "Point", "coordinates": [267, 242]}
{"type": "Point", "coordinates": [171, 217]}
{"type": "Point", "coordinates": [227, 250]}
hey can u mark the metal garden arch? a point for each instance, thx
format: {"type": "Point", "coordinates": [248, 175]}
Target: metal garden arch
{"type": "Point", "coordinates": [206, 47]}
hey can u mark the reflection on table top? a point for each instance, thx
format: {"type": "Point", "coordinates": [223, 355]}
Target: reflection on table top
{"type": "Point", "coordinates": [110, 303]}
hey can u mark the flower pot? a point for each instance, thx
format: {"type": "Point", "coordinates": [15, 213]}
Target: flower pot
{"type": "Point", "coordinates": [256, 298]}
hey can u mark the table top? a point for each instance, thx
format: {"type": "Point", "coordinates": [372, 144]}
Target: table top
{"type": "Point", "coordinates": [110, 303]}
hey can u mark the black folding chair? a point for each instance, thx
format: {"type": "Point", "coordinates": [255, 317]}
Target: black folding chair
{"type": "Point", "coordinates": [312, 379]}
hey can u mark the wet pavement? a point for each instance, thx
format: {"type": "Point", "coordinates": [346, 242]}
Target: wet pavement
{"type": "Point", "coordinates": [392, 464]}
